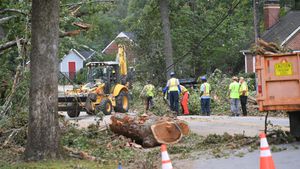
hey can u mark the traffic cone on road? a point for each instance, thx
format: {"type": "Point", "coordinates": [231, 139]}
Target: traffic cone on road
{"type": "Point", "coordinates": [266, 160]}
{"type": "Point", "coordinates": [165, 160]}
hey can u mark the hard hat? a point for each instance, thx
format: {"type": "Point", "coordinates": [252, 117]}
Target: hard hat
{"type": "Point", "coordinates": [172, 73]}
{"type": "Point", "coordinates": [203, 78]}
{"type": "Point", "coordinates": [241, 78]}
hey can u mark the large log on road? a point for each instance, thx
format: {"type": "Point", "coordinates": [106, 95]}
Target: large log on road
{"type": "Point", "coordinates": [149, 131]}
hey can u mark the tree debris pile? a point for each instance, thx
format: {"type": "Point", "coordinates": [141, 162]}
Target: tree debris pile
{"type": "Point", "coordinates": [220, 102]}
{"type": "Point", "coordinates": [264, 47]}
{"type": "Point", "coordinates": [149, 131]}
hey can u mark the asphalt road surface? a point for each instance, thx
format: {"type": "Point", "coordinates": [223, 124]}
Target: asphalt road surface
{"type": "Point", "coordinates": [287, 159]}
{"type": "Point", "coordinates": [249, 126]}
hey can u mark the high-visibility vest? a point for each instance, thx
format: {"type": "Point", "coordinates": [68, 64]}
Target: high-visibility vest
{"type": "Point", "coordinates": [183, 89]}
{"type": "Point", "coordinates": [149, 88]}
{"type": "Point", "coordinates": [206, 89]}
{"type": "Point", "coordinates": [234, 88]}
{"type": "Point", "coordinates": [173, 84]}
{"type": "Point", "coordinates": [244, 87]}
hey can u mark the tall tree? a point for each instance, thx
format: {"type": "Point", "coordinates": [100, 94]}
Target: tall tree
{"type": "Point", "coordinates": [168, 51]}
{"type": "Point", "coordinates": [43, 130]}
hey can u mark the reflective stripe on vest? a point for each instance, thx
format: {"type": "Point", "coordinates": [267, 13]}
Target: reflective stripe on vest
{"type": "Point", "coordinates": [173, 84]}
{"type": "Point", "coordinates": [206, 89]}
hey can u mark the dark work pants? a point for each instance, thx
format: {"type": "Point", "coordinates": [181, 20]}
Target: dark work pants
{"type": "Point", "coordinates": [149, 102]}
{"type": "Point", "coordinates": [174, 100]}
{"type": "Point", "coordinates": [205, 106]}
{"type": "Point", "coordinates": [244, 104]}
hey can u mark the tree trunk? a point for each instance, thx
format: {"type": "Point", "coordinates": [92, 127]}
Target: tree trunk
{"type": "Point", "coordinates": [168, 51]}
{"type": "Point", "coordinates": [149, 131]}
{"type": "Point", "coordinates": [43, 130]}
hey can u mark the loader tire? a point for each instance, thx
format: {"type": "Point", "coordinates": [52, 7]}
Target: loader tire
{"type": "Point", "coordinates": [73, 109]}
{"type": "Point", "coordinates": [105, 106]}
{"type": "Point", "coordinates": [122, 102]}
{"type": "Point", "coordinates": [92, 97]}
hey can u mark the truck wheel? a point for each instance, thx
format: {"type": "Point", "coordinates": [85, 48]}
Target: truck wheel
{"type": "Point", "coordinates": [73, 109]}
{"type": "Point", "coordinates": [105, 106]}
{"type": "Point", "coordinates": [122, 102]}
{"type": "Point", "coordinates": [295, 123]}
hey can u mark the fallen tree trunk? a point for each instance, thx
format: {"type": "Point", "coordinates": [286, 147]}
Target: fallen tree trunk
{"type": "Point", "coordinates": [149, 131]}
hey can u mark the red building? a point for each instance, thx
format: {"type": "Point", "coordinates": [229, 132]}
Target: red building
{"type": "Point", "coordinates": [283, 30]}
{"type": "Point", "coordinates": [126, 38]}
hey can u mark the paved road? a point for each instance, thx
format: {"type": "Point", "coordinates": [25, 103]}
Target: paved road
{"type": "Point", "coordinates": [287, 159]}
{"type": "Point", "coordinates": [250, 126]}
{"type": "Point", "coordinates": [84, 120]}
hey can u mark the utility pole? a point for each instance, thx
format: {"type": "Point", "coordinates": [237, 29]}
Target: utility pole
{"type": "Point", "coordinates": [255, 20]}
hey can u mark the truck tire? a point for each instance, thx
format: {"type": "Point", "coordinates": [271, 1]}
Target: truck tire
{"type": "Point", "coordinates": [73, 109]}
{"type": "Point", "coordinates": [122, 102]}
{"type": "Point", "coordinates": [105, 106]}
{"type": "Point", "coordinates": [295, 123]}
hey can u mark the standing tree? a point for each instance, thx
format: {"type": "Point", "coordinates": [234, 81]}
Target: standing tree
{"type": "Point", "coordinates": [168, 51]}
{"type": "Point", "coordinates": [43, 129]}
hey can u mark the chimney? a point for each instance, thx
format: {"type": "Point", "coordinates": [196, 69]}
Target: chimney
{"type": "Point", "coordinates": [271, 13]}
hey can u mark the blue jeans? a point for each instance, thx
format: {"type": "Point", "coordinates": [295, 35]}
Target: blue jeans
{"type": "Point", "coordinates": [205, 106]}
{"type": "Point", "coordinates": [234, 105]}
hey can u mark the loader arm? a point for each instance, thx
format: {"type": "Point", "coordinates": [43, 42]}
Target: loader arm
{"type": "Point", "coordinates": [122, 60]}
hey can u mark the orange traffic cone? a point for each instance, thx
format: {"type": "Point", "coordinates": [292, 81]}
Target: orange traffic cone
{"type": "Point", "coordinates": [165, 160]}
{"type": "Point", "coordinates": [266, 160]}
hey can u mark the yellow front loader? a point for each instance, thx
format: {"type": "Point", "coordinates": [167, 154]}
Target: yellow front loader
{"type": "Point", "coordinates": [106, 89]}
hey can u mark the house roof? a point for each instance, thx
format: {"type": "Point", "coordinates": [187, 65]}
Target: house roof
{"type": "Point", "coordinates": [284, 29]}
{"type": "Point", "coordinates": [83, 54]}
{"type": "Point", "coordinates": [86, 54]}
{"type": "Point", "coordinates": [128, 35]}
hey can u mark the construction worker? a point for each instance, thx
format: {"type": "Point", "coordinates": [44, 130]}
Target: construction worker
{"type": "Point", "coordinates": [205, 96]}
{"type": "Point", "coordinates": [243, 95]}
{"type": "Point", "coordinates": [234, 88]}
{"type": "Point", "coordinates": [148, 94]}
{"type": "Point", "coordinates": [184, 100]}
{"type": "Point", "coordinates": [173, 87]}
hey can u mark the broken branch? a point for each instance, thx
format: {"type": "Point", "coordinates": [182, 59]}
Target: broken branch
{"type": "Point", "coordinates": [10, 44]}
{"type": "Point", "coordinates": [5, 19]}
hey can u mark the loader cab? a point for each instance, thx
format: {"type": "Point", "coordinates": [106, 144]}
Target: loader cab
{"type": "Point", "coordinates": [103, 72]}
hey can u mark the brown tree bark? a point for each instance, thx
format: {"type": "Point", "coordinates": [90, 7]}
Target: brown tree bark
{"type": "Point", "coordinates": [168, 51]}
{"type": "Point", "coordinates": [149, 131]}
{"type": "Point", "coordinates": [43, 130]}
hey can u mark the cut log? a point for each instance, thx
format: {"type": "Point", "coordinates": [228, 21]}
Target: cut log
{"type": "Point", "coordinates": [149, 131]}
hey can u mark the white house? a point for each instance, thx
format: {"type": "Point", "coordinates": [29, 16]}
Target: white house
{"type": "Point", "coordinates": [73, 62]}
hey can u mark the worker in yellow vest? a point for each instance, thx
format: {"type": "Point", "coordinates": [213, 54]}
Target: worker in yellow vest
{"type": "Point", "coordinates": [148, 94]}
{"type": "Point", "coordinates": [243, 95]}
{"type": "Point", "coordinates": [234, 88]}
{"type": "Point", "coordinates": [205, 96]}
{"type": "Point", "coordinates": [173, 87]}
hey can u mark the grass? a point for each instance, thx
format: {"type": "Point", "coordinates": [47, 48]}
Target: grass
{"type": "Point", "coordinates": [58, 164]}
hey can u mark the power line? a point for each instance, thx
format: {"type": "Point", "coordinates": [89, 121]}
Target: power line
{"type": "Point", "coordinates": [212, 31]}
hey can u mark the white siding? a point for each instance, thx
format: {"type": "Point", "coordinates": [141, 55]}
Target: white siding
{"type": "Point", "coordinates": [71, 57]}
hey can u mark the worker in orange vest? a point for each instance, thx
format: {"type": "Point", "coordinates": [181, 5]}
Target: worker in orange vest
{"type": "Point", "coordinates": [184, 100]}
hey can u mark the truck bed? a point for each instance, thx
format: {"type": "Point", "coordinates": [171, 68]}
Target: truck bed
{"type": "Point", "coordinates": [278, 82]}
